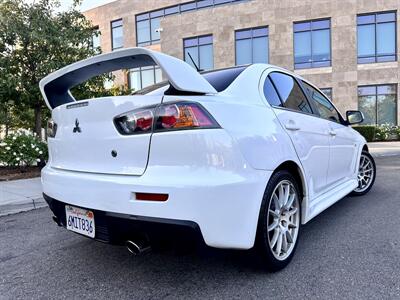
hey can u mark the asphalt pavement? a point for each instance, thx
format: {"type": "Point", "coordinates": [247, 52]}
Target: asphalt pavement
{"type": "Point", "coordinates": [350, 251]}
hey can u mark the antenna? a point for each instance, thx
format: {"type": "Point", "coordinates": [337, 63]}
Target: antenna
{"type": "Point", "coordinates": [195, 65]}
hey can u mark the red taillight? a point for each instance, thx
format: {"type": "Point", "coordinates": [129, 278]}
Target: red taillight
{"type": "Point", "coordinates": [174, 116]}
{"type": "Point", "coordinates": [140, 121]}
{"type": "Point", "coordinates": [183, 115]}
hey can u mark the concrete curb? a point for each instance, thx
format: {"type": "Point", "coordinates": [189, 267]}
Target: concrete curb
{"type": "Point", "coordinates": [21, 206]}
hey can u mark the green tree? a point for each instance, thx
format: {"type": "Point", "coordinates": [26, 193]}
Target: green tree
{"type": "Point", "coordinates": [35, 40]}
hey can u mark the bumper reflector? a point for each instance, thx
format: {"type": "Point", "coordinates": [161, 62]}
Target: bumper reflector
{"type": "Point", "coordinates": [151, 197]}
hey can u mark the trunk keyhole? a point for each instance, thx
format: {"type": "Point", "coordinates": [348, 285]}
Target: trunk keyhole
{"type": "Point", "coordinates": [114, 153]}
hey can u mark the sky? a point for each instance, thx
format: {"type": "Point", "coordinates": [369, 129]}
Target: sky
{"type": "Point", "coordinates": [87, 4]}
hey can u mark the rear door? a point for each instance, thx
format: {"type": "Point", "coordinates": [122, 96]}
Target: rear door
{"type": "Point", "coordinates": [309, 134]}
{"type": "Point", "coordinates": [343, 146]}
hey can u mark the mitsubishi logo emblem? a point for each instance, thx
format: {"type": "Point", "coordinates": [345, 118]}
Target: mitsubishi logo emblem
{"type": "Point", "coordinates": [77, 128]}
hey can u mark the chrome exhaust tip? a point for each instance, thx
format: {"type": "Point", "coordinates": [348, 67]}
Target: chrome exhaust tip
{"type": "Point", "coordinates": [137, 247]}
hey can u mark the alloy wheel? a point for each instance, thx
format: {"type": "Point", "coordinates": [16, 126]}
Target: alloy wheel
{"type": "Point", "coordinates": [283, 220]}
{"type": "Point", "coordinates": [366, 173]}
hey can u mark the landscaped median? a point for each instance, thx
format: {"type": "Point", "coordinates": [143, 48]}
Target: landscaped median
{"type": "Point", "coordinates": [384, 132]}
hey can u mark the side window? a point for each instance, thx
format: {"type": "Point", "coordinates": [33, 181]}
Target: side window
{"type": "Point", "coordinates": [270, 93]}
{"type": "Point", "coordinates": [325, 108]}
{"type": "Point", "coordinates": [290, 92]}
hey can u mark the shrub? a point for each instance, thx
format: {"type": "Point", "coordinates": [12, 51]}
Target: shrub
{"type": "Point", "coordinates": [367, 131]}
{"type": "Point", "coordinates": [386, 132]}
{"type": "Point", "coordinates": [22, 149]}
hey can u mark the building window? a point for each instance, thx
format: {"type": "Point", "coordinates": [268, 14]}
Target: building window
{"type": "Point", "coordinates": [148, 28]}
{"type": "Point", "coordinates": [376, 37]}
{"type": "Point", "coordinates": [378, 103]}
{"type": "Point", "coordinates": [327, 92]}
{"type": "Point", "coordinates": [117, 35]}
{"type": "Point", "coordinates": [201, 50]}
{"type": "Point", "coordinates": [147, 24]}
{"type": "Point", "coordinates": [312, 44]}
{"type": "Point", "coordinates": [251, 46]}
{"type": "Point", "coordinates": [142, 77]}
{"type": "Point", "coordinates": [95, 43]}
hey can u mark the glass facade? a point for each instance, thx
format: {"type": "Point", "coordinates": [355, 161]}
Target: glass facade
{"type": "Point", "coordinates": [117, 34]}
{"type": "Point", "coordinates": [148, 23]}
{"type": "Point", "coordinates": [312, 44]}
{"type": "Point", "coordinates": [251, 46]}
{"type": "Point", "coordinates": [376, 37]}
{"type": "Point", "coordinates": [139, 78]}
{"type": "Point", "coordinates": [200, 49]}
{"type": "Point", "coordinates": [378, 103]}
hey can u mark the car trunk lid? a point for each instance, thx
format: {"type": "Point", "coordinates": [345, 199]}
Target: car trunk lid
{"type": "Point", "coordinates": [88, 141]}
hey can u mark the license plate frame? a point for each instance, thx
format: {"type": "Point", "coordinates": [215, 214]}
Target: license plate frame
{"type": "Point", "coordinates": [80, 220]}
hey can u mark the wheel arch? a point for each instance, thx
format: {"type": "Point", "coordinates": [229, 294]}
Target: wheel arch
{"type": "Point", "coordinates": [296, 170]}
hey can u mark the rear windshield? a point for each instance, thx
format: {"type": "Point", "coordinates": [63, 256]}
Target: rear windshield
{"type": "Point", "coordinates": [219, 79]}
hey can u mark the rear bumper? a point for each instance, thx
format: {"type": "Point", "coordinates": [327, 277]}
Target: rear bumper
{"type": "Point", "coordinates": [223, 206]}
{"type": "Point", "coordinates": [115, 228]}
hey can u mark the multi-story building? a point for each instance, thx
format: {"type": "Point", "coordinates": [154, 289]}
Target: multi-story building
{"type": "Point", "coordinates": [348, 47]}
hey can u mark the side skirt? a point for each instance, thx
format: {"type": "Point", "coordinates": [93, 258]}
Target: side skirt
{"type": "Point", "coordinates": [329, 198]}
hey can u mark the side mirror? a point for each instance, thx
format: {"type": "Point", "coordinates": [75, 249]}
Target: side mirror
{"type": "Point", "coordinates": [354, 117]}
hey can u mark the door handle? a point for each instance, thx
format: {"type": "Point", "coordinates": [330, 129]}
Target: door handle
{"type": "Point", "coordinates": [291, 125]}
{"type": "Point", "coordinates": [332, 132]}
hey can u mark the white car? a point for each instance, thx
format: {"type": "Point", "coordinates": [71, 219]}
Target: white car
{"type": "Point", "coordinates": [240, 157]}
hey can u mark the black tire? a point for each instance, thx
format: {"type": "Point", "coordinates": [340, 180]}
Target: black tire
{"type": "Point", "coordinates": [371, 183]}
{"type": "Point", "coordinates": [262, 246]}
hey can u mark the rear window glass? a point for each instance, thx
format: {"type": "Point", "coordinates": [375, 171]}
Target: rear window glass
{"type": "Point", "coordinates": [219, 79]}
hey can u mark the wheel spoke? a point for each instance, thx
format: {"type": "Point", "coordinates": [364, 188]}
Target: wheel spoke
{"type": "Point", "coordinates": [286, 197]}
{"type": "Point", "coordinates": [275, 237]}
{"type": "Point", "coordinates": [292, 212]}
{"type": "Point", "coordinates": [276, 201]}
{"type": "Point", "coordinates": [290, 201]}
{"type": "Point", "coordinates": [289, 237]}
{"type": "Point", "coordinates": [281, 195]}
{"type": "Point", "coordinates": [274, 213]}
{"type": "Point", "coordinates": [279, 245]}
{"type": "Point", "coordinates": [273, 225]}
{"type": "Point", "coordinates": [284, 243]}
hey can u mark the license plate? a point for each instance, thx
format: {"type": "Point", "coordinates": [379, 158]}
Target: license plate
{"type": "Point", "coordinates": [80, 220]}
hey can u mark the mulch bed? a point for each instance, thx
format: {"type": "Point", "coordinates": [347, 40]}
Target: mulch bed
{"type": "Point", "coordinates": [13, 173]}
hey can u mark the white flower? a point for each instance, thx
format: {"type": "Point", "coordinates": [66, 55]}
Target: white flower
{"type": "Point", "coordinates": [32, 146]}
{"type": "Point", "coordinates": [37, 149]}
{"type": "Point", "coordinates": [14, 153]}
{"type": "Point", "coordinates": [18, 159]}
{"type": "Point", "coordinates": [14, 138]}
{"type": "Point", "coordinates": [38, 159]}
{"type": "Point", "coordinates": [3, 144]}
{"type": "Point", "coordinates": [40, 152]}
{"type": "Point", "coordinates": [8, 148]}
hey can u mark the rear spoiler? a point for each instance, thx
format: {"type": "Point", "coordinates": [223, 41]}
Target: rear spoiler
{"type": "Point", "coordinates": [56, 86]}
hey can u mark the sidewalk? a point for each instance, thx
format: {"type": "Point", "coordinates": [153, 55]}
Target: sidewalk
{"type": "Point", "coordinates": [20, 195]}
{"type": "Point", "coordinates": [378, 149]}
